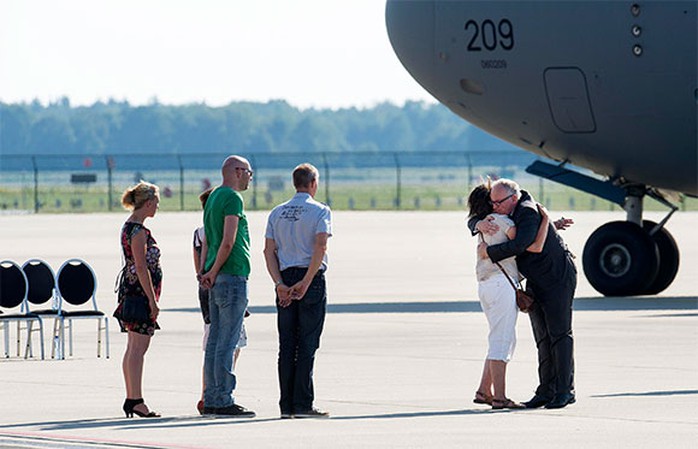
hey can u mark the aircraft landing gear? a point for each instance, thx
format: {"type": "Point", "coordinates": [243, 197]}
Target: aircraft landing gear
{"type": "Point", "coordinates": [668, 252]}
{"type": "Point", "coordinates": [622, 258]}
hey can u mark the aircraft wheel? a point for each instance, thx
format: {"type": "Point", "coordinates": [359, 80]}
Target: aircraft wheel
{"type": "Point", "coordinates": [620, 259]}
{"type": "Point", "coordinates": [668, 258]}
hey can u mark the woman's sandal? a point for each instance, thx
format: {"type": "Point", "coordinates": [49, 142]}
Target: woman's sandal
{"type": "Point", "coordinates": [150, 414]}
{"type": "Point", "coordinates": [499, 404]}
{"type": "Point", "coordinates": [482, 398]}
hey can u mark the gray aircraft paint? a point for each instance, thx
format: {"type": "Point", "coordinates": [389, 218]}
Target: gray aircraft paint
{"type": "Point", "coordinates": [562, 78]}
{"type": "Point", "coordinates": [609, 86]}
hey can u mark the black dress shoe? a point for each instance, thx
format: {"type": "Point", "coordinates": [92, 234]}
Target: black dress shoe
{"type": "Point", "coordinates": [311, 413]}
{"type": "Point", "coordinates": [560, 400]}
{"type": "Point", "coordinates": [537, 401]}
{"type": "Point", "coordinates": [235, 410]}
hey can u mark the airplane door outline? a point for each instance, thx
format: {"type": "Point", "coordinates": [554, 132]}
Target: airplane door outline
{"type": "Point", "coordinates": [568, 100]}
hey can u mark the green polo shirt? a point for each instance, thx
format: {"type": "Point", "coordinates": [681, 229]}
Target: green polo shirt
{"type": "Point", "coordinates": [225, 201]}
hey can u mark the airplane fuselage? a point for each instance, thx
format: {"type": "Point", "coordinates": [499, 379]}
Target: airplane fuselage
{"type": "Point", "coordinates": [605, 85]}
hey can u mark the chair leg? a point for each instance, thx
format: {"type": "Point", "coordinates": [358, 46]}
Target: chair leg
{"type": "Point", "coordinates": [61, 339]}
{"type": "Point", "coordinates": [6, 331]}
{"type": "Point", "coordinates": [28, 348]}
{"type": "Point", "coordinates": [41, 338]}
{"type": "Point", "coordinates": [70, 337]}
{"type": "Point", "coordinates": [106, 335]}
{"type": "Point", "coordinates": [99, 338]}
{"type": "Point", "coordinates": [19, 330]}
{"type": "Point", "coordinates": [55, 339]}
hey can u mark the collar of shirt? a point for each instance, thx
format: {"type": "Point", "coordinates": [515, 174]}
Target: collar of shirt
{"type": "Point", "coordinates": [302, 195]}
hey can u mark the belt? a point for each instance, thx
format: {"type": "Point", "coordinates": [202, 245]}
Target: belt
{"type": "Point", "coordinates": [297, 269]}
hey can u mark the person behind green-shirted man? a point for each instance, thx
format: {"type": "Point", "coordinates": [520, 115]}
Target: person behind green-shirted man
{"type": "Point", "coordinates": [226, 270]}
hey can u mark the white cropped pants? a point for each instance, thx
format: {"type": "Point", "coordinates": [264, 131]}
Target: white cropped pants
{"type": "Point", "coordinates": [498, 301]}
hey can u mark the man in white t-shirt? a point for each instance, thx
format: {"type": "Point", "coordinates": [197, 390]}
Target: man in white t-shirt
{"type": "Point", "coordinates": [295, 251]}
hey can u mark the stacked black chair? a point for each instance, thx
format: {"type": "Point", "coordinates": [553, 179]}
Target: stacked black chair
{"type": "Point", "coordinates": [14, 289]}
{"type": "Point", "coordinates": [77, 285]}
{"type": "Point", "coordinates": [42, 298]}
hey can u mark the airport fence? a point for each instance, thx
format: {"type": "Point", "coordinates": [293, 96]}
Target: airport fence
{"type": "Point", "coordinates": [348, 181]}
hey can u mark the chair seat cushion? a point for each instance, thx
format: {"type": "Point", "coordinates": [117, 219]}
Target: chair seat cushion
{"type": "Point", "coordinates": [45, 312]}
{"type": "Point", "coordinates": [19, 316]}
{"type": "Point", "coordinates": [79, 313]}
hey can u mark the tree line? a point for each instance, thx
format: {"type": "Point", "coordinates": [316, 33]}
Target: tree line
{"type": "Point", "coordinates": [116, 127]}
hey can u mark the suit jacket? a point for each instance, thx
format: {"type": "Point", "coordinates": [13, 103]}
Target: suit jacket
{"type": "Point", "coordinates": [549, 267]}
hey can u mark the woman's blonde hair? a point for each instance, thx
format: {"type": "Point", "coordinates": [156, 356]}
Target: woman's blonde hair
{"type": "Point", "coordinates": [135, 197]}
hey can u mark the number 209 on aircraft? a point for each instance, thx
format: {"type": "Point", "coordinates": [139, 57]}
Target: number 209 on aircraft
{"type": "Point", "coordinates": [489, 36]}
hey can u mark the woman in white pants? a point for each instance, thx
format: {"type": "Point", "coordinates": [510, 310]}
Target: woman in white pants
{"type": "Point", "coordinates": [498, 299]}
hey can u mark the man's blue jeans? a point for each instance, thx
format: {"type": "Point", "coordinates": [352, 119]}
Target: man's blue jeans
{"type": "Point", "coordinates": [227, 303]}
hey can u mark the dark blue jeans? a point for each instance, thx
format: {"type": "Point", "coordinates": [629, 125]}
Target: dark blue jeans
{"type": "Point", "coordinates": [300, 326]}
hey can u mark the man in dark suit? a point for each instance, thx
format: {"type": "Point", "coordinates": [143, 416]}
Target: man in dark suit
{"type": "Point", "coordinates": [551, 278]}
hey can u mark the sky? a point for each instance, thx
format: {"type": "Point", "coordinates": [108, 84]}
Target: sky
{"type": "Point", "coordinates": [311, 53]}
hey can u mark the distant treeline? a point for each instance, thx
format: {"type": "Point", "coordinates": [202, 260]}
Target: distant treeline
{"type": "Point", "coordinates": [244, 127]}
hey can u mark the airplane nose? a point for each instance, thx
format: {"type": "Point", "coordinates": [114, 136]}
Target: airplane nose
{"type": "Point", "coordinates": [410, 26]}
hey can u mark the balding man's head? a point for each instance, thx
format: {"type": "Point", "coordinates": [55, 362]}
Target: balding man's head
{"type": "Point", "coordinates": [237, 172]}
{"type": "Point", "coordinates": [504, 195]}
{"type": "Point", "coordinates": [231, 162]}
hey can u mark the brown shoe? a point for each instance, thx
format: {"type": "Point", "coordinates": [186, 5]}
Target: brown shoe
{"type": "Point", "coordinates": [482, 398]}
{"type": "Point", "coordinates": [499, 404]}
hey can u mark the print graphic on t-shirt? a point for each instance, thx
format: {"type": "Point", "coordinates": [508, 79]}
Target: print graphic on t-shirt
{"type": "Point", "coordinates": [292, 213]}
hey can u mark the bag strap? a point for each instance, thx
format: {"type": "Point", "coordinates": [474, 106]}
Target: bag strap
{"type": "Point", "coordinates": [118, 282]}
{"type": "Point", "coordinates": [511, 282]}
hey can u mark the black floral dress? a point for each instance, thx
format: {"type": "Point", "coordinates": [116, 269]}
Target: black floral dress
{"type": "Point", "coordinates": [130, 285]}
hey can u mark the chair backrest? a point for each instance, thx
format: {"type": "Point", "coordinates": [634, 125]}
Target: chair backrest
{"type": "Point", "coordinates": [13, 285]}
{"type": "Point", "coordinates": [41, 279]}
{"type": "Point", "coordinates": [76, 282]}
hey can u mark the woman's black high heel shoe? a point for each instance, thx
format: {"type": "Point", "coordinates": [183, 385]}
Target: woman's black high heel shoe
{"type": "Point", "coordinates": [150, 414]}
{"type": "Point", "coordinates": [129, 405]}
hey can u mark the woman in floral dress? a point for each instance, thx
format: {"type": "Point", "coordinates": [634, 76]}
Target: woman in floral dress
{"type": "Point", "coordinates": [142, 276]}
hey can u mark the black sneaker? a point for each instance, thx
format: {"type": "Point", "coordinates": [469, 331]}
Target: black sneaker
{"type": "Point", "coordinates": [208, 411]}
{"type": "Point", "coordinates": [312, 413]}
{"type": "Point", "coordinates": [235, 410]}
{"type": "Point", "coordinates": [287, 415]}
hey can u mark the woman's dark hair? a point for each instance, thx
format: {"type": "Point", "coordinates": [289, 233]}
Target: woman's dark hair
{"type": "Point", "coordinates": [204, 196]}
{"type": "Point", "coordinates": [479, 202]}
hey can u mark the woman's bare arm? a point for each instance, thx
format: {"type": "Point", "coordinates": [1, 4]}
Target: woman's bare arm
{"type": "Point", "coordinates": [539, 242]}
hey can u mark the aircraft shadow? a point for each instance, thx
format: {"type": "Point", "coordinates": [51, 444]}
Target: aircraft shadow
{"type": "Point", "coordinates": [580, 304]}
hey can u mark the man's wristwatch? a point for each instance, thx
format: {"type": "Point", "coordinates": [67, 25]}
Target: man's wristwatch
{"type": "Point", "coordinates": [277, 283]}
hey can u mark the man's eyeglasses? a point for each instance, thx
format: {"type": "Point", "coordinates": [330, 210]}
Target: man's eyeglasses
{"type": "Point", "coordinates": [247, 170]}
{"type": "Point", "coordinates": [498, 202]}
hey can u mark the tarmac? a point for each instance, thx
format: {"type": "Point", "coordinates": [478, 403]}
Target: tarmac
{"type": "Point", "coordinates": [400, 358]}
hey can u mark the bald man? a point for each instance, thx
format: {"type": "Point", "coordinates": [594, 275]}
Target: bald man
{"type": "Point", "coordinates": [551, 277]}
{"type": "Point", "coordinates": [226, 270]}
